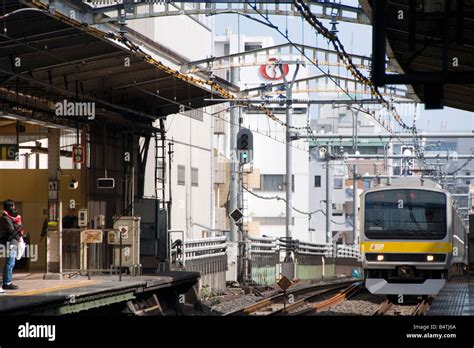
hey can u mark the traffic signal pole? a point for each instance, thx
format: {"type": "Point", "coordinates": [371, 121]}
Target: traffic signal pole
{"type": "Point", "coordinates": [235, 166]}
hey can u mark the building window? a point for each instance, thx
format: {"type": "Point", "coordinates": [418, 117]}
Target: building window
{"type": "Point", "coordinates": [337, 183]}
{"type": "Point", "coordinates": [275, 182]}
{"type": "Point", "coordinates": [317, 181]}
{"type": "Point", "coordinates": [337, 209]}
{"type": "Point", "coordinates": [181, 175]}
{"type": "Point", "coordinates": [272, 220]}
{"type": "Point", "coordinates": [250, 46]}
{"type": "Point", "coordinates": [195, 177]}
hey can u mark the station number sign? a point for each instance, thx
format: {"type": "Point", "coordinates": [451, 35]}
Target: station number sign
{"type": "Point", "coordinates": [8, 152]}
{"type": "Point", "coordinates": [78, 154]}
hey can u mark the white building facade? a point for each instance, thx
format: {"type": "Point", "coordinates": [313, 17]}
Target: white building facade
{"type": "Point", "coordinates": [267, 217]}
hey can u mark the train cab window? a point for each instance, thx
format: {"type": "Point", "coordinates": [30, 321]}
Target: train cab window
{"type": "Point", "coordinates": [405, 214]}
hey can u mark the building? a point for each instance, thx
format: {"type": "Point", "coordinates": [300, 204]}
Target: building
{"type": "Point", "coordinates": [340, 189]}
{"type": "Point", "coordinates": [266, 177]}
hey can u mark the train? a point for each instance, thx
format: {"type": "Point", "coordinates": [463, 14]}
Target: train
{"type": "Point", "coordinates": [412, 238]}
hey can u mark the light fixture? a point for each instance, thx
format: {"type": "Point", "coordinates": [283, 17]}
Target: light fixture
{"type": "Point", "coordinates": [429, 258]}
{"type": "Point", "coordinates": [380, 257]}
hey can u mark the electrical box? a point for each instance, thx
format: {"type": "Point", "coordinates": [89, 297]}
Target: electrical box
{"type": "Point", "coordinates": [232, 261]}
{"type": "Point", "coordinates": [82, 218]}
{"type": "Point", "coordinates": [129, 228]}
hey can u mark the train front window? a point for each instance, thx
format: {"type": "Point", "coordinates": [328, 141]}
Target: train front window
{"type": "Point", "coordinates": [405, 214]}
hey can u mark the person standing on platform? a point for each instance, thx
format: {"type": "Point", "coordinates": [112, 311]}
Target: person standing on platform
{"type": "Point", "coordinates": [9, 236]}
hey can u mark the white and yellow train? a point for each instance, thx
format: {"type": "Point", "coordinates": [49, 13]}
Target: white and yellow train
{"type": "Point", "coordinates": [412, 238]}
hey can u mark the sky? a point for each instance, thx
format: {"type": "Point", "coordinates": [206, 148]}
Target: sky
{"type": "Point", "coordinates": [357, 39]}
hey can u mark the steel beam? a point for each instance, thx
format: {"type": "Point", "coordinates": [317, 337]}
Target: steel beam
{"type": "Point", "coordinates": [344, 13]}
{"type": "Point", "coordinates": [462, 177]}
{"type": "Point", "coordinates": [448, 157]}
{"type": "Point", "coordinates": [387, 136]}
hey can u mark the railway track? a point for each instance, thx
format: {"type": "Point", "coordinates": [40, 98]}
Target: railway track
{"type": "Point", "coordinates": [296, 299]}
{"type": "Point", "coordinates": [422, 307]}
{"type": "Point", "coordinates": [383, 308]}
{"type": "Point", "coordinates": [338, 298]}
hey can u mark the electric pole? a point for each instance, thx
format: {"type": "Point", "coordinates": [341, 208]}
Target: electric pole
{"type": "Point", "coordinates": [235, 167]}
{"type": "Point", "coordinates": [328, 196]}
{"type": "Point", "coordinates": [354, 203]}
{"type": "Point", "coordinates": [289, 153]}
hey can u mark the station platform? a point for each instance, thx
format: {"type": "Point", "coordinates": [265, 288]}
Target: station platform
{"type": "Point", "coordinates": [455, 298]}
{"type": "Point", "coordinates": [38, 296]}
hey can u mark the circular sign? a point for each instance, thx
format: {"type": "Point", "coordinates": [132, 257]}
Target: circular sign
{"type": "Point", "coordinates": [272, 71]}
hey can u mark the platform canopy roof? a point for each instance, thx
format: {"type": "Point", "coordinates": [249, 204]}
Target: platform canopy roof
{"type": "Point", "coordinates": [422, 35]}
{"type": "Point", "coordinates": [45, 59]}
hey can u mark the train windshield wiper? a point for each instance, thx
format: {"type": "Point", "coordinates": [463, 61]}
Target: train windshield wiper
{"type": "Point", "coordinates": [405, 231]}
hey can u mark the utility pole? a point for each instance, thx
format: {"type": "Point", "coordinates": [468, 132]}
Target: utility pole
{"type": "Point", "coordinates": [354, 204]}
{"type": "Point", "coordinates": [234, 172]}
{"type": "Point", "coordinates": [289, 153]}
{"type": "Point", "coordinates": [328, 196]}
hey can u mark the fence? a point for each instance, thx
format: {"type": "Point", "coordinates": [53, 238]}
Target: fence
{"type": "Point", "coordinates": [264, 260]}
{"type": "Point", "coordinates": [83, 253]}
{"type": "Point", "coordinates": [270, 258]}
{"type": "Point", "coordinates": [208, 257]}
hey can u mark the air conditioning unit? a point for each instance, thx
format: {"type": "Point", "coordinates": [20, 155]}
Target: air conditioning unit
{"type": "Point", "coordinates": [337, 208]}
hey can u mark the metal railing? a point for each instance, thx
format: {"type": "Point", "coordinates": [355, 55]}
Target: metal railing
{"type": "Point", "coordinates": [197, 249]}
{"type": "Point", "coordinates": [263, 245]}
{"type": "Point", "coordinates": [205, 255]}
{"type": "Point", "coordinates": [270, 245]}
{"type": "Point", "coordinates": [351, 251]}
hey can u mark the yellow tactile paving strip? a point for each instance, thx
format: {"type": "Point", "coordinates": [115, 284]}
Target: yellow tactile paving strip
{"type": "Point", "coordinates": [51, 288]}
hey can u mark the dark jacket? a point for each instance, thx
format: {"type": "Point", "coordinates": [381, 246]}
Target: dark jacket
{"type": "Point", "coordinates": [7, 231]}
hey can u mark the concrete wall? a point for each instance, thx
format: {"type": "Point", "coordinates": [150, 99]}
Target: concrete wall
{"type": "Point", "coordinates": [182, 34]}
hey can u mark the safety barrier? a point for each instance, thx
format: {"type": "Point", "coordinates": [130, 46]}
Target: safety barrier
{"type": "Point", "coordinates": [264, 260]}
{"type": "Point", "coordinates": [208, 257]}
{"type": "Point", "coordinates": [350, 251]}
{"type": "Point", "coordinates": [270, 258]}
{"type": "Point", "coordinates": [87, 251]}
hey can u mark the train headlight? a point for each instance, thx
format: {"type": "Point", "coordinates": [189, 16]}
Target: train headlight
{"type": "Point", "coordinates": [429, 258]}
{"type": "Point", "coordinates": [380, 257]}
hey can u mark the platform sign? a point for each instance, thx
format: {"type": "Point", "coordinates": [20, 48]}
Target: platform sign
{"type": "Point", "coordinates": [124, 231]}
{"type": "Point", "coordinates": [53, 214]}
{"type": "Point", "coordinates": [9, 152]}
{"type": "Point", "coordinates": [52, 190]}
{"type": "Point", "coordinates": [78, 153]}
{"type": "Point", "coordinates": [91, 236]}
{"type": "Point", "coordinates": [112, 237]}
